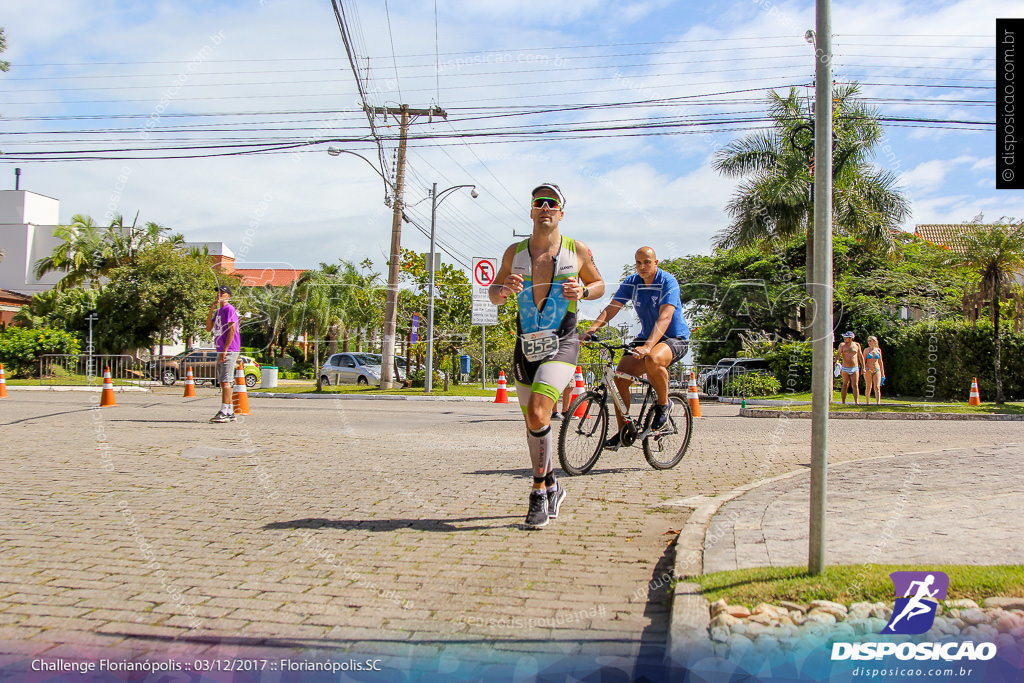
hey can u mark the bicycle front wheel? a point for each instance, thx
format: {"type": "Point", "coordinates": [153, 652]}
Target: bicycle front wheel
{"type": "Point", "coordinates": [581, 438]}
{"type": "Point", "coordinates": [667, 446]}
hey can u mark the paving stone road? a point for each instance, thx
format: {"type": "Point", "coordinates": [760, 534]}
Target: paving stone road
{"type": "Point", "coordinates": [361, 527]}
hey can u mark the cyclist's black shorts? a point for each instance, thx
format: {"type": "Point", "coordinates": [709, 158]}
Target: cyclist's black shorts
{"type": "Point", "coordinates": [677, 345]}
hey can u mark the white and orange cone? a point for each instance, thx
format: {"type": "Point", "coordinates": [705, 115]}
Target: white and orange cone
{"type": "Point", "coordinates": [190, 384]}
{"type": "Point", "coordinates": [502, 395]}
{"type": "Point", "coordinates": [693, 396]}
{"type": "Point", "coordinates": [975, 399]}
{"type": "Point", "coordinates": [240, 399]}
{"type": "Point", "coordinates": [581, 409]}
{"type": "Point", "coordinates": [3, 382]}
{"type": "Point", "coordinates": [107, 397]}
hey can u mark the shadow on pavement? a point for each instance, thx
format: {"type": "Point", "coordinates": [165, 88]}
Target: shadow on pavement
{"type": "Point", "coordinates": [445, 525]}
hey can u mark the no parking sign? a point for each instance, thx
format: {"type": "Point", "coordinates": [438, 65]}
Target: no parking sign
{"type": "Point", "coordinates": [484, 312]}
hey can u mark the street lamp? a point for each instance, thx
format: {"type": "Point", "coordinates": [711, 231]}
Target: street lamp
{"type": "Point", "coordinates": [435, 199]}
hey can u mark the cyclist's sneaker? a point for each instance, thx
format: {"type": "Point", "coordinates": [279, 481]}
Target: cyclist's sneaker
{"type": "Point", "coordinates": [612, 443]}
{"type": "Point", "coordinates": [538, 514]}
{"type": "Point", "coordinates": [556, 494]}
{"type": "Point", "coordinates": [660, 416]}
{"type": "Point", "coordinates": [221, 416]}
{"type": "Point", "coordinates": [556, 415]}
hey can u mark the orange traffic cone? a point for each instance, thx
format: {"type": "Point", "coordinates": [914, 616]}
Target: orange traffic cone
{"type": "Point", "coordinates": [581, 409]}
{"type": "Point", "coordinates": [693, 396]}
{"type": "Point", "coordinates": [107, 397]}
{"type": "Point", "coordinates": [3, 382]}
{"type": "Point", "coordinates": [190, 384]}
{"type": "Point", "coordinates": [975, 394]}
{"type": "Point", "coordinates": [502, 395]}
{"type": "Point", "coordinates": [240, 399]}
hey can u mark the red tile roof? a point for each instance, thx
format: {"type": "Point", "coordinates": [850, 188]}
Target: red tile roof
{"type": "Point", "coordinates": [278, 277]}
{"type": "Point", "coordinates": [948, 235]}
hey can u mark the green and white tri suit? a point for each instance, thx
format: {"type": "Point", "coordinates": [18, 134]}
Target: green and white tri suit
{"type": "Point", "coordinates": [547, 345]}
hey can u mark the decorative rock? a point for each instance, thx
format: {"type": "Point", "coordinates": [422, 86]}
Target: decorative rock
{"type": "Point", "coordinates": [739, 646]}
{"type": "Point", "coordinates": [798, 617]}
{"type": "Point", "coordinates": [860, 626]}
{"type": "Point", "coordinates": [1005, 603]}
{"type": "Point", "coordinates": [738, 611]}
{"type": "Point", "coordinates": [973, 616]}
{"type": "Point", "coordinates": [772, 611]}
{"type": "Point", "coordinates": [754, 630]}
{"type": "Point", "coordinates": [840, 615]}
{"type": "Point", "coordinates": [792, 606]}
{"type": "Point", "coordinates": [828, 606]}
{"type": "Point", "coordinates": [720, 634]}
{"type": "Point", "coordinates": [1007, 622]}
{"type": "Point", "coordinates": [724, 619]}
{"type": "Point", "coordinates": [760, 618]}
{"type": "Point", "coordinates": [717, 607]}
{"type": "Point", "coordinates": [823, 618]}
{"type": "Point", "coordinates": [859, 610]}
{"type": "Point", "coordinates": [962, 603]}
{"type": "Point", "coordinates": [880, 610]}
{"type": "Point", "coordinates": [740, 628]}
{"type": "Point", "coordinates": [766, 643]}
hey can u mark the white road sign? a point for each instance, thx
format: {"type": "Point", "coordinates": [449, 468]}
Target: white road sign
{"type": "Point", "coordinates": [484, 312]}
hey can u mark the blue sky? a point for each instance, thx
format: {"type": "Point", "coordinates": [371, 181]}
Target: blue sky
{"type": "Point", "coordinates": [271, 63]}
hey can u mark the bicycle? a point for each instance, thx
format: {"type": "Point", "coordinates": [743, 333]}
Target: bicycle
{"type": "Point", "coordinates": [581, 437]}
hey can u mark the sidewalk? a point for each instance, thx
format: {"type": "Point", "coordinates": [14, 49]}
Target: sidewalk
{"type": "Point", "coordinates": [953, 506]}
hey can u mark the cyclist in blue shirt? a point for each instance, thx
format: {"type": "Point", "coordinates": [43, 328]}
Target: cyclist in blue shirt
{"type": "Point", "coordinates": [663, 337]}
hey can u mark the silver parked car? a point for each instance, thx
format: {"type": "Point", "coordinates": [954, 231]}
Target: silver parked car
{"type": "Point", "coordinates": [356, 368]}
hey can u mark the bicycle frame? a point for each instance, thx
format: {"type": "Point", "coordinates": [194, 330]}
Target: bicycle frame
{"type": "Point", "coordinates": [608, 376]}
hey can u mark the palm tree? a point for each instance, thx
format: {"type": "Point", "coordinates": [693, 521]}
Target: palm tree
{"type": "Point", "coordinates": [994, 254]}
{"type": "Point", "coordinates": [775, 199]}
{"type": "Point", "coordinates": [88, 252]}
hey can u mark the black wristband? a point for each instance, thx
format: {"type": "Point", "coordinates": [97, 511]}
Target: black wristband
{"type": "Point", "coordinates": [586, 292]}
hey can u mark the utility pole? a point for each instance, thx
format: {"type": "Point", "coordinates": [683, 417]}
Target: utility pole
{"type": "Point", "coordinates": [387, 368]}
{"type": "Point", "coordinates": [821, 375]}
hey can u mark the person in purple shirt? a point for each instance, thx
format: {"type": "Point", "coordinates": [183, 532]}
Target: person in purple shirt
{"type": "Point", "coordinates": [663, 337]}
{"type": "Point", "coordinates": [223, 322]}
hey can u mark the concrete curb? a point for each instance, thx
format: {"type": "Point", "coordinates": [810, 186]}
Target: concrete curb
{"type": "Point", "coordinates": [382, 397]}
{"type": "Point", "coordinates": [806, 414]}
{"type": "Point", "coordinates": [689, 614]}
{"type": "Point", "coordinates": [117, 388]}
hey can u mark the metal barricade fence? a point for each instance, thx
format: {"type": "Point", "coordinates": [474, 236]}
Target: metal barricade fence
{"type": "Point", "coordinates": [85, 370]}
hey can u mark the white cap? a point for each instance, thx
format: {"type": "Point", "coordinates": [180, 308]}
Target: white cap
{"type": "Point", "coordinates": [554, 188]}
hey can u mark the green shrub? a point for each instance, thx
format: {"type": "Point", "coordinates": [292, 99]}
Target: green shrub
{"type": "Point", "coordinates": [753, 384]}
{"type": "Point", "coordinates": [21, 349]}
{"type": "Point", "coordinates": [419, 379]}
{"type": "Point", "coordinates": [791, 364]}
{"type": "Point", "coordinates": [938, 359]}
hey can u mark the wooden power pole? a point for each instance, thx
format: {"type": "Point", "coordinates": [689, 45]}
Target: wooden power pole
{"type": "Point", "coordinates": [387, 369]}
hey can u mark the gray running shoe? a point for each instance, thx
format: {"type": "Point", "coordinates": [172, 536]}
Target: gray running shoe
{"type": "Point", "coordinates": [221, 416]}
{"type": "Point", "coordinates": [556, 494]}
{"type": "Point", "coordinates": [556, 415]}
{"type": "Point", "coordinates": [538, 514]}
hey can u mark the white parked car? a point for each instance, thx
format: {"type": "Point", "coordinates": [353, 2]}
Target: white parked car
{"type": "Point", "coordinates": [356, 368]}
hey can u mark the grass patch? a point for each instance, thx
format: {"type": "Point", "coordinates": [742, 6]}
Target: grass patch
{"type": "Point", "coordinates": [362, 390]}
{"type": "Point", "coordinates": [904, 407]}
{"type": "Point", "coordinates": [852, 583]}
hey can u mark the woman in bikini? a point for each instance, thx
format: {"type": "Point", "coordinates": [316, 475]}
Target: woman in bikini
{"type": "Point", "coordinates": [874, 371]}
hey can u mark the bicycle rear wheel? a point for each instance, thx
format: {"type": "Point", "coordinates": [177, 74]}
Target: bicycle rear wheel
{"type": "Point", "coordinates": [581, 439]}
{"type": "Point", "coordinates": [666, 447]}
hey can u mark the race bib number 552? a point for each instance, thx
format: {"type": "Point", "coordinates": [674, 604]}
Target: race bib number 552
{"type": "Point", "coordinates": [539, 345]}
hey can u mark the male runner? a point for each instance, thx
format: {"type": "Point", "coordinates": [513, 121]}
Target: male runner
{"type": "Point", "coordinates": [548, 273]}
{"type": "Point", "coordinates": [663, 332]}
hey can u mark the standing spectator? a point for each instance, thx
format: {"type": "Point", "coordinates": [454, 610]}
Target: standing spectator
{"type": "Point", "coordinates": [223, 322]}
{"type": "Point", "coordinates": [852, 358]}
{"type": "Point", "coordinates": [874, 371]}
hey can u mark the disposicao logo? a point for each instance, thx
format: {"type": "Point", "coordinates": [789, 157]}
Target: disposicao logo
{"type": "Point", "coordinates": [914, 613]}
{"type": "Point", "coordinates": [918, 595]}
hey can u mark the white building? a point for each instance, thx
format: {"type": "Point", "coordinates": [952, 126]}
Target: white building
{"type": "Point", "coordinates": [27, 221]}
